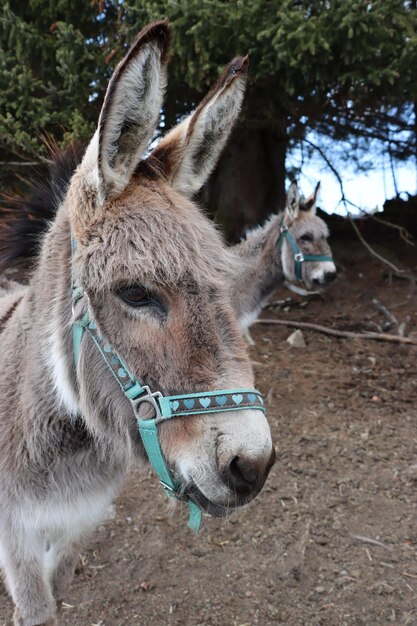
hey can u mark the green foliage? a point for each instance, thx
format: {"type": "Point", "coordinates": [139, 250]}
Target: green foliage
{"type": "Point", "coordinates": [52, 62]}
{"type": "Point", "coordinates": [343, 67]}
{"type": "Point", "coordinates": [330, 62]}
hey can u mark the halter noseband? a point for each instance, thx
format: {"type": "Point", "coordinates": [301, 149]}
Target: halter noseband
{"type": "Point", "coordinates": [299, 256]}
{"type": "Point", "coordinates": [165, 407]}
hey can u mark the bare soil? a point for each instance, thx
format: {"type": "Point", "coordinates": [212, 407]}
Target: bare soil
{"type": "Point", "coordinates": [332, 539]}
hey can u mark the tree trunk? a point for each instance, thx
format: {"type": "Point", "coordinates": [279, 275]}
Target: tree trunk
{"type": "Point", "coordinates": [249, 181]}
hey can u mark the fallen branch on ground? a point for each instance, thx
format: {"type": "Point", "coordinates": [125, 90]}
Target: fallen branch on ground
{"type": "Point", "coordinates": [339, 333]}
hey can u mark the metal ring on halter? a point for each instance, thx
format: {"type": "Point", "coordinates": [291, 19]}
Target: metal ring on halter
{"type": "Point", "coordinates": [151, 397]}
{"type": "Point", "coordinates": [299, 257]}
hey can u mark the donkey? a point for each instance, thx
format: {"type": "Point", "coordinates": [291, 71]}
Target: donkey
{"type": "Point", "coordinates": [130, 294]}
{"type": "Point", "coordinates": [292, 246]}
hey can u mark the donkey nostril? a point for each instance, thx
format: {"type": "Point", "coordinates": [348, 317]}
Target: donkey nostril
{"type": "Point", "coordinates": [330, 276]}
{"type": "Point", "coordinates": [241, 474]}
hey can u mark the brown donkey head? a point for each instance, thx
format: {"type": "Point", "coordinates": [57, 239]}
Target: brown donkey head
{"type": "Point", "coordinates": [310, 234]}
{"type": "Point", "coordinates": [157, 275]}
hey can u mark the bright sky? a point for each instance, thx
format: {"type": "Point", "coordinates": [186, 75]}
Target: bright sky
{"type": "Point", "coordinates": [367, 190]}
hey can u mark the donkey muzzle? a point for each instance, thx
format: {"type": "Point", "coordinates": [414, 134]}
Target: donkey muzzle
{"type": "Point", "coordinates": [324, 279]}
{"type": "Point", "coordinates": [244, 475]}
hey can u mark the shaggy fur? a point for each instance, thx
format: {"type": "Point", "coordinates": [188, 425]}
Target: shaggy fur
{"type": "Point", "coordinates": [68, 436]}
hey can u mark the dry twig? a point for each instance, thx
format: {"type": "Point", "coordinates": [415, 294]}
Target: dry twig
{"type": "Point", "coordinates": [339, 333]}
{"type": "Point", "coordinates": [373, 252]}
{"type": "Point", "coordinates": [392, 320]}
{"type": "Point", "coordinates": [404, 234]}
{"type": "Point", "coordinates": [373, 542]}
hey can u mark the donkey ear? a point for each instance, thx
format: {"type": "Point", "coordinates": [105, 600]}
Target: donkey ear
{"type": "Point", "coordinates": [189, 153]}
{"type": "Point", "coordinates": [292, 206]}
{"type": "Point", "coordinates": [310, 203]}
{"type": "Point", "coordinates": [130, 112]}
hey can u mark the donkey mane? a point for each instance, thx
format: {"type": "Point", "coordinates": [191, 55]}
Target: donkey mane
{"type": "Point", "coordinates": [25, 218]}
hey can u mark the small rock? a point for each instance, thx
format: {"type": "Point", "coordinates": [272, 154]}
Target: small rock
{"type": "Point", "coordinates": [296, 339]}
{"type": "Point", "coordinates": [322, 541]}
{"type": "Point", "coordinates": [320, 589]}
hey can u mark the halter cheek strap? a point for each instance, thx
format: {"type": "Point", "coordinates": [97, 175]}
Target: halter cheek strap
{"type": "Point", "coordinates": [299, 256]}
{"type": "Point", "coordinates": [165, 407]}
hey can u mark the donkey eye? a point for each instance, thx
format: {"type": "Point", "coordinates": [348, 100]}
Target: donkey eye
{"type": "Point", "coordinates": [135, 295]}
{"type": "Point", "coordinates": [306, 238]}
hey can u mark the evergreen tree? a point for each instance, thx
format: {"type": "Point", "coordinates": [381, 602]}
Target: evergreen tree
{"type": "Point", "coordinates": [53, 72]}
{"type": "Point", "coordinates": [343, 68]}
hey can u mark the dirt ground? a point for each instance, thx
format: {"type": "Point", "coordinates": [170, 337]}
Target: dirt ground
{"type": "Point", "coordinates": [332, 539]}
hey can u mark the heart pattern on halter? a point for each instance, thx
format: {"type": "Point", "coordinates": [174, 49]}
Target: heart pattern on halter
{"type": "Point", "coordinates": [177, 405]}
{"type": "Point", "coordinates": [215, 402]}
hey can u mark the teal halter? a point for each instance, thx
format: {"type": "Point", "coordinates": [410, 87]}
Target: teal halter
{"type": "Point", "coordinates": [299, 256]}
{"type": "Point", "coordinates": [165, 407]}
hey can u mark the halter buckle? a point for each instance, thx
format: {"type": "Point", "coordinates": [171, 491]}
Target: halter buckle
{"type": "Point", "coordinates": [299, 257]}
{"type": "Point", "coordinates": [283, 228]}
{"type": "Point", "coordinates": [152, 398]}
